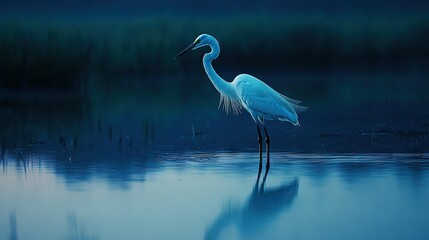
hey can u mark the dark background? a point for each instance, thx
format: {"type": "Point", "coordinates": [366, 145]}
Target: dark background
{"type": "Point", "coordinates": [102, 72]}
{"type": "Point", "coordinates": [193, 7]}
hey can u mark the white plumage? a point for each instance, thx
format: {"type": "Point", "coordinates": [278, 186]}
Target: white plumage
{"type": "Point", "coordinates": [248, 92]}
{"type": "Point", "coordinates": [265, 103]}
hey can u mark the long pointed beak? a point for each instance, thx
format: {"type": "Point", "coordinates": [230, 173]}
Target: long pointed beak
{"type": "Point", "coordinates": [185, 50]}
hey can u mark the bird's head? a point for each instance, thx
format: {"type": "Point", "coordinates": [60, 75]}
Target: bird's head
{"type": "Point", "coordinates": [200, 41]}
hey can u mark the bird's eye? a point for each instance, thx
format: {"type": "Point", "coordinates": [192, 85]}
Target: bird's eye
{"type": "Point", "coordinates": [197, 41]}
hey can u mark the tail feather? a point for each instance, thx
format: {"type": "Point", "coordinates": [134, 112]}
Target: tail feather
{"type": "Point", "coordinates": [290, 100]}
{"type": "Point", "coordinates": [298, 108]}
{"type": "Point", "coordinates": [294, 103]}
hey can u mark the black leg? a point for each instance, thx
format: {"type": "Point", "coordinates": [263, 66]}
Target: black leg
{"type": "Point", "coordinates": [267, 141]}
{"type": "Point", "coordinates": [260, 149]}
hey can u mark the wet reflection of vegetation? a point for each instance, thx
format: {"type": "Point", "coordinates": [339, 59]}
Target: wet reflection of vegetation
{"type": "Point", "coordinates": [77, 231]}
{"type": "Point", "coordinates": [13, 226]}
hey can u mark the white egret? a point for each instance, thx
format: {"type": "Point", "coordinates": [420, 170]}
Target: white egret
{"type": "Point", "coordinates": [248, 92]}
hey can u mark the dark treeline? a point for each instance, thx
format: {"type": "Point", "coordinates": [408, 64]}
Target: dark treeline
{"type": "Point", "coordinates": [61, 54]}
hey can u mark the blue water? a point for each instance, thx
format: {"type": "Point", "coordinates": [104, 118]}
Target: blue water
{"type": "Point", "coordinates": [213, 195]}
{"type": "Point", "coordinates": [130, 160]}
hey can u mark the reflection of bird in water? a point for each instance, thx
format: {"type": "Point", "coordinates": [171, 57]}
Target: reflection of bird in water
{"type": "Point", "coordinates": [248, 92]}
{"type": "Point", "coordinates": [260, 209]}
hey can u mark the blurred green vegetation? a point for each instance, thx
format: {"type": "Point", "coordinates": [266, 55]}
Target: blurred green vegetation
{"type": "Point", "coordinates": [63, 54]}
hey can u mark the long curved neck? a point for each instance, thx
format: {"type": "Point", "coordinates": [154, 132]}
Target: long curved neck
{"type": "Point", "coordinates": [224, 87]}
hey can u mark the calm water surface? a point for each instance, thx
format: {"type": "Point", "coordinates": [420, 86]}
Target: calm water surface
{"type": "Point", "coordinates": [163, 194]}
{"type": "Point", "coordinates": [138, 160]}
